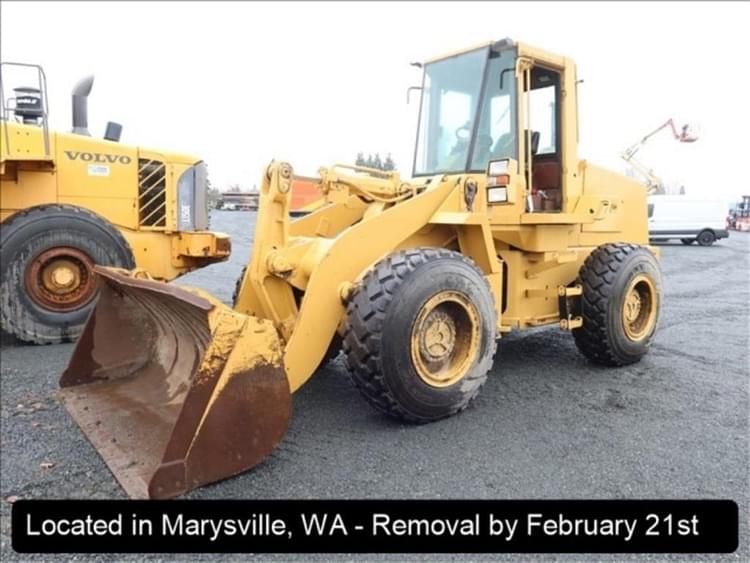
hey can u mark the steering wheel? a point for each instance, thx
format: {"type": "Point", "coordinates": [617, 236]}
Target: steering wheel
{"type": "Point", "coordinates": [482, 145]}
{"type": "Point", "coordinates": [463, 133]}
{"type": "Point", "coordinates": [503, 144]}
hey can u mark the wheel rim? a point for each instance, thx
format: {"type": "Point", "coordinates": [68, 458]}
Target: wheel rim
{"type": "Point", "coordinates": [61, 279]}
{"type": "Point", "coordinates": [445, 339]}
{"type": "Point", "coordinates": [639, 308]}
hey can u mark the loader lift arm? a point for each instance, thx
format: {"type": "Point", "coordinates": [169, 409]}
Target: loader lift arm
{"type": "Point", "coordinates": [307, 332]}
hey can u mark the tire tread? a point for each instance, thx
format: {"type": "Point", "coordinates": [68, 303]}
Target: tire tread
{"type": "Point", "coordinates": [15, 224]}
{"type": "Point", "coordinates": [597, 276]}
{"type": "Point", "coordinates": [365, 313]}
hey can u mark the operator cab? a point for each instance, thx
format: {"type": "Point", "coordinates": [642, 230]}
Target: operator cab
{"type": "Point", "coordinates": [473, 106]}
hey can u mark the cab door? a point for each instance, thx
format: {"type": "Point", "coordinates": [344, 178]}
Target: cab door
{"type": "Point", "coordinates": [540, 140]}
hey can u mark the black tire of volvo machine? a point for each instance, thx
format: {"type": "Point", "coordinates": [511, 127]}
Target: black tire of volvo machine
{"type": "Point", "coordinates": [419, 336]}
{"type": "Point", "coordinates": [47, 280]}
{"type": "Point", "coordinates": [621, 301]}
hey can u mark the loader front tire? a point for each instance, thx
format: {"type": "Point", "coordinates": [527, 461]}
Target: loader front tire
{"type": "Point", "coordinates": [47, 254]}
{"type": "Point", "coordinates": [419, 336]}
{"type": "Point", "coordinates": [620, 304]}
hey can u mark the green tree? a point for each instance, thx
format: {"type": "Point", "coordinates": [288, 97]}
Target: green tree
{"type": "Point", "coordinates": [388, 164]}
{"type": "Point", "coordinates": [375, 161]}
{"type": "Point", "coordinates": [213, 195]}
{"type": "Point", "coordinates": [214, 198]}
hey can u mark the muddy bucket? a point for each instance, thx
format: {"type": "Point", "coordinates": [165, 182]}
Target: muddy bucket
{"type": "Point", "coordinates": [173, 388]}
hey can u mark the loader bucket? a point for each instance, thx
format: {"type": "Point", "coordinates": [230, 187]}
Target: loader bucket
{"type": "Point", "coordinates": [173, 388]}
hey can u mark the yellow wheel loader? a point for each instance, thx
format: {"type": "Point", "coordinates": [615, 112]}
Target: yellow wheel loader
{"type": "Point", "coordinates": [69, 201]}
{"type": "Point", "coordinates": [501, 227]}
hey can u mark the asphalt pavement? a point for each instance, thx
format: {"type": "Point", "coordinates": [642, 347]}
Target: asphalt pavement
{"type": "Point", "coordinates": [548, 424]}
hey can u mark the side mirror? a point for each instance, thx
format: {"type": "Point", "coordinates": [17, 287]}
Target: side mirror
{"type": "Point", "coordinates": [535, 136]}
{"type": "Point", "coordinates": [502, 74]}
{"type": "Point", "coordinates": [408, 91]}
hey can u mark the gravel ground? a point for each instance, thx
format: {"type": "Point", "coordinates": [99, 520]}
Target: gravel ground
{"type": "Point", "coordinates": [547, 424]}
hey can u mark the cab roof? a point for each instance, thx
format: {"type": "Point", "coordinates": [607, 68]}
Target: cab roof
{"type": "Point", "coordinates": [524, 49]}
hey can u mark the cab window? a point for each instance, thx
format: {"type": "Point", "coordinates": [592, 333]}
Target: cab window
{"type": "Point", "coordinates": [543, 98]}
{"type": "Point", "coordinates": [496, 134]}
{"type": "Point", "coordinates": [450, 93]}
{"type": "Point", "coordinates": [543, 112]}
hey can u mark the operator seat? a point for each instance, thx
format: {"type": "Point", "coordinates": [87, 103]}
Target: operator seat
{"type": "Point", "coordinates": [501, 146]}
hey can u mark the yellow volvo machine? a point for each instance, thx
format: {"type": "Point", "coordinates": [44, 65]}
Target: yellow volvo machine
{"type": "Point", "coordinates": [69, 201]}
{"type": "Point", "coordinates": [501, 227]}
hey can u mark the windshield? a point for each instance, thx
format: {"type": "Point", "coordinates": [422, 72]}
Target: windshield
{"type": "Point", "coordinates": [496, 135]}
{"type": "Point", "coordinates": [450, 96]}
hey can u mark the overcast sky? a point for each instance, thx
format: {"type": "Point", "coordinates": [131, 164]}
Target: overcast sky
{"type": "Point", "coordinates": [314, 83]}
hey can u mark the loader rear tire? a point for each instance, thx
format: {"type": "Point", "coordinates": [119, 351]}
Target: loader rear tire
{"type": "Point", "coordinates": [620, 304]}
{"type": "Point", "coordinates": [419, 336]}
{"type": "Point", "coordinates": [48, 286]}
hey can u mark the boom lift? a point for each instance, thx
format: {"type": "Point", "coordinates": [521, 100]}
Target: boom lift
{"type": "Point", "coordinates": [654, 183]}
{"type": "Point", "coordinates": [417, 279]}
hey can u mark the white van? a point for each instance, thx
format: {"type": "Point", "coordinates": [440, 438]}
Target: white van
{"type": "Point", "coordinates": [686, 218]}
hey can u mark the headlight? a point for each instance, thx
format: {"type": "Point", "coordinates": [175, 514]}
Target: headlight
{"type": "Point", "coordinates": [497, 195]}
{"type": "Point", "coordinates": [186, 200]}
{"type": "Point", "coordinates": [192, 201]}
{"type": "Point", "coordinates": [498, 180]}
{"type": "Point", "coordinates": [201, 196]}
{"type": "Point", "coordinates": [498, 167]}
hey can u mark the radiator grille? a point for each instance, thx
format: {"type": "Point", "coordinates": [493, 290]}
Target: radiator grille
{"type": "Point", "coordinates": [152, 197]}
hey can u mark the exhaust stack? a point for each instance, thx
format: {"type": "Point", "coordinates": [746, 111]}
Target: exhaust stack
{"type": "Point", "coordinates": [81, 93]}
